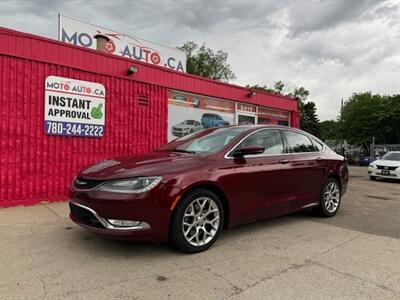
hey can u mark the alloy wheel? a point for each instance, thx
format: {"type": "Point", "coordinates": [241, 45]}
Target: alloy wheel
{"type": "Point", "coordinates": [201, 221]}
{"type": "Point", "coordinates": [332, 197]}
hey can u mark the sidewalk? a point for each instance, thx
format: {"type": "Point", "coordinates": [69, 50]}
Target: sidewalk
{"type": "Point", "coordinates": [44, 255]}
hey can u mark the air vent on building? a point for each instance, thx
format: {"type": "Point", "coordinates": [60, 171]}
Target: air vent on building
{"type": "Point", "coordinates": [143, 100]}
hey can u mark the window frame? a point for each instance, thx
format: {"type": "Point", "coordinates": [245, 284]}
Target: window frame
{"type": "Point", "coordinates": [284, 141]}
{"type": "Point", "coordinates": [229, 155]}
{"type": "Point", "coordinates": [312, 140]}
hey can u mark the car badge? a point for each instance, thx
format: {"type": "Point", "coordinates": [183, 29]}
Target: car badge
{"type": "Point", "coordinates": [196, 102]}
{"type": "Point", "coordinates": [385, 168]}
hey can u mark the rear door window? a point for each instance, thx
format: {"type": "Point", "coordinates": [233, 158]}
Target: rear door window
{"type": "Point", "coordinates": [318, 145]}
{"type": "Point", "coordinates": [298, 143]}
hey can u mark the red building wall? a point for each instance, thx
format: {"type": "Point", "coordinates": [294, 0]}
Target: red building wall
{"type": "Point", "coordinates": [38, 167]}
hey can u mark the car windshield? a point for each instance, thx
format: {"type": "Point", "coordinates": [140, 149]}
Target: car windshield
{"type": "Point", "coordinates": [188, 122]}
{"type": "Point", "coordinates": [391, 156]}
{"type": "Point", "coordinates": [206, 141]}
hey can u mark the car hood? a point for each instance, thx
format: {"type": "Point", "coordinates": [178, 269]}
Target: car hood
{"type": "Point", "coordinates": [388, 163]}
{"type": "Point", "coordinates": [157, 163]}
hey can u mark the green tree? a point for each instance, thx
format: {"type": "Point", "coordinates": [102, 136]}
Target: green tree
{"type": "Point", "coordinates": [205, 62]}
{"type": "Point", "coordinates": [277, 89]}
{"type": "Point", "coordinates": [300, 94]}
{"type": "Point", "coordinates": [308, 118]}
{"type": "Point", "coordinates": [366, 116]}
{"type": "Point", "coordinates": [308, 111]}
{"type": "Point", "coordinates": [330, 130]}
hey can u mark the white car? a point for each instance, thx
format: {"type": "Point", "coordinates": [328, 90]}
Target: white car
{"type": "Point", "coordinates": [386, 167]}
{"type": "Point", "coordinates": [186, 127]}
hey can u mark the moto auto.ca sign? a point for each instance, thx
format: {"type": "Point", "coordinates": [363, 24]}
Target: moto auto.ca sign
{"type": "Point", "coordinates": [74, 107]}
{"type": "Point", "coordinates": [79, 33]}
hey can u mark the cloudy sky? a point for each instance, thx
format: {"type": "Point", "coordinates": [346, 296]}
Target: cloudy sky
{"type": "Point", "coordinates": [331, 47]}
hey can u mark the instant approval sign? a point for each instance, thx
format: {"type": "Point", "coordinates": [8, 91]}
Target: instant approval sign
{"type": "Point", "coordinates": [74, 107]}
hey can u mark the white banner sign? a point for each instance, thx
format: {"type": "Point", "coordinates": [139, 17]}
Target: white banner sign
{"type": "Point", "coordinates": [80, 33]}
{"type": "Point", "coordinates": [74, 107]}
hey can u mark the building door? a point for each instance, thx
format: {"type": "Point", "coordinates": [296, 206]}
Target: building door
{"type": "Point", "coordinates": [246, 114]}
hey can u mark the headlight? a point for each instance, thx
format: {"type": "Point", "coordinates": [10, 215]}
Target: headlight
{"type": "Point", "coordinates": [130, 186]}
{"type": "Point", "coordinates": [372, 166]}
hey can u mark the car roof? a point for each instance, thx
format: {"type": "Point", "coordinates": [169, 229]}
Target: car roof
{"type": "Point", "coordinates": [251, 128]}
{"type": "Point", "coordinates": [270, 126]}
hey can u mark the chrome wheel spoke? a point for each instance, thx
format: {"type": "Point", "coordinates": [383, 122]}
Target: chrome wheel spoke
{"type": "Point", "coordinates": [210, 212]}
{"type": "Point", "coordinates": [201, 221]}
{"type": "Point", "coordinates": [331, 197]}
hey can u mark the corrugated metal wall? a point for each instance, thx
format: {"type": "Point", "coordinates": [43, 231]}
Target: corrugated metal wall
{"type": "Point", "coordinates": [29, 46]}
{"type": "Point", "coordinates": [37, 167]}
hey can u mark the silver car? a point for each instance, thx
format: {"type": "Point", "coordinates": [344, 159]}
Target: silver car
{"type": "Point", "coordinates": [186, 127]}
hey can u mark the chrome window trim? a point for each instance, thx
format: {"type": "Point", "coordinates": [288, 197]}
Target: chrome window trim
{"type": "Point", "coordinates": [106, 224]}
{"type": "Point", "coordinates": [226, 156]}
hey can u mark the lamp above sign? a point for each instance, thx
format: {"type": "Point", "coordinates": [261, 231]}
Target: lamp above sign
{"type": "Point", "coordinates": [83, 34]}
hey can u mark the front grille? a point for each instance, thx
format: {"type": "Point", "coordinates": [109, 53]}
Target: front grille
{"type": "Point", "coordinates": [386, 168]}
{"type": "Point", "coordinates": [86, 184]}
{"type": "Point", "coordinates": [84, 216]}
{"type": "Point", "coordinates": [177, 129]}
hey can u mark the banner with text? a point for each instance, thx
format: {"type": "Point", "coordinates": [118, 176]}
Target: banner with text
{"type": "Point", "coordinates": [188, 113]}
{"type": "Point", "coordinates": [80, 33]}
{"type": "Point", "coordinates": [74, 107]}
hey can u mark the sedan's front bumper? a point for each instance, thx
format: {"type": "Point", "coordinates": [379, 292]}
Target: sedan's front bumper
{"type": "Point", "coordinates": [180, 133]}
{"type": "Point", "coordinates": [150, 212]}
{"type": "Point", "coordinates": [89, 217]}
{"type": "Point", "coordinates": [374, 172]}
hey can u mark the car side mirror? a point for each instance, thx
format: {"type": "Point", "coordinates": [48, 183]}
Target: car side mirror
{"type": "Point", "coordinates": [248, 150]}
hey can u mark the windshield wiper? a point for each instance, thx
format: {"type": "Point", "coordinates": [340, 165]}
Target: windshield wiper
{"type": "Point", "coordinates": [183, 151]}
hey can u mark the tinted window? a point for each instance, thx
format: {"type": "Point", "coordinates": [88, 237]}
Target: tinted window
{"type": "Point", "coordinates": [271, 140]}
{"type": "Point", "coordinates": [283, 123]}
{"type": "Point", "coordinates": [205, 141]}
{"type": "Point", "coordinates": [297, 142]}
{"type": "Point", "coordinates": [318, 145]}
{"type": "Point", "coordinates": [392, 156]}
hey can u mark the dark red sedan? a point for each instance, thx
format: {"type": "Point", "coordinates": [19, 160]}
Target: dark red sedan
{"type": "Point", "coordinates": [190, 189]}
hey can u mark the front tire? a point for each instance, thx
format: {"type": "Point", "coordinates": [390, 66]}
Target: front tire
{"type": "Point", "coordinates": [197, 221]}
{"type": "Point", "coordinates": [372, 177]}
{"type": "Point", "coordinates": [330, 198]}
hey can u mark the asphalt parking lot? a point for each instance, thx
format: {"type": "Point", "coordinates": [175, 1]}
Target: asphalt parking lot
{"type": "Point", "coordinates": [354, 255]}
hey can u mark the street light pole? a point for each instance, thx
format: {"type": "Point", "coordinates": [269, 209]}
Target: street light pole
{"type": "Point", "coordinates": [342, 129]}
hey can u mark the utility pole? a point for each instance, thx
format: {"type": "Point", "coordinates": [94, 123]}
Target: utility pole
{"type": "Point", "coordinates": [341, 128]}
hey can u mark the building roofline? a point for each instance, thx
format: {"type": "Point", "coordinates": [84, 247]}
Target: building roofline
{"type": "Point", "coordinates": [14, 33]}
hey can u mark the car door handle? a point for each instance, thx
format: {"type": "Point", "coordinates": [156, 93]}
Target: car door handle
{"type": "Point", "coordinates": [284, 161]}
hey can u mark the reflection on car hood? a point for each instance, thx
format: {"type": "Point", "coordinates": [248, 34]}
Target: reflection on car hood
{"type": "Point", "coordinates": [157, 163]}
{"type": "Point", "coordinates": [388, 163]}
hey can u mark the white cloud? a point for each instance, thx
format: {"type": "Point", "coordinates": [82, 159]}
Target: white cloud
{"type": "Point", "coordinates": [332, 48]}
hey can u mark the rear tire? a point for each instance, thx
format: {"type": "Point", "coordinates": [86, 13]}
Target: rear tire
{"type": "Point", "coordinates": [330, 198]}
{"type": "Point", "coordinates": [197, 221]}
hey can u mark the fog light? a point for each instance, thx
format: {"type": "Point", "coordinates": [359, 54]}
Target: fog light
{"type": "Point", "coordinates": [124, 223]}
